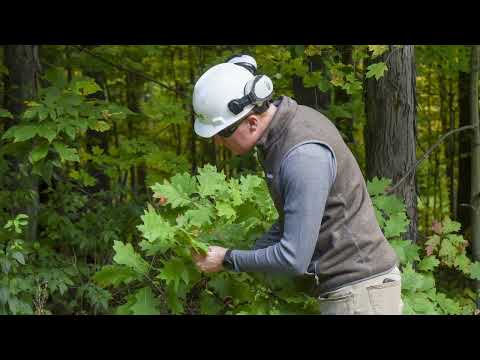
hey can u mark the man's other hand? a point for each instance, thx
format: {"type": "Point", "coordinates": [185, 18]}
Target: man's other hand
{"type": "Point", "coordinates": [212, 261]}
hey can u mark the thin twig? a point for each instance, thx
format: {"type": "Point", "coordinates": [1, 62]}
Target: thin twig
{"type": "Point", "coordinates": [429, 151]}
{"type": "Point", "coordinates": [123, 68]}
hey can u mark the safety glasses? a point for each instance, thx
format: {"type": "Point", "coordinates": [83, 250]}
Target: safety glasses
{"type": "Point", "coordinates": [227, 132]}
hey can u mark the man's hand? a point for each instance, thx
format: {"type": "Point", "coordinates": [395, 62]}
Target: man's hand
{"type": "Point", "coordinates": [212, 262]}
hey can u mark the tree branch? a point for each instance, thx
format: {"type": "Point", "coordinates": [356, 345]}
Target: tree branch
{"type": "Point", "coordinates": [427, 153]}
{"type": "Point", "coordinates": [123, 68]}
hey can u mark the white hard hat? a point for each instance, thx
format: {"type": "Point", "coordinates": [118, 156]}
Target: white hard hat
{"type": "Point", "coordinates": [211, 95]}
{"type": "Point", "coordinates": [226, 93]}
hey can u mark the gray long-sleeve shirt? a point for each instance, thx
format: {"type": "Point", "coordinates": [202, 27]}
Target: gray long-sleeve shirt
{"type": "Point", "coordinates": [306, 176]}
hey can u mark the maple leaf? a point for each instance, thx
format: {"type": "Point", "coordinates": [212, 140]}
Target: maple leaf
{"type": "Point", "coordinates": [248, 185]}
{"type": "Point", "coordinates": [157, 229]}
{"type": "Point", "coordinates": [376, 70]}
{"type": "Point", "coordinates": [450, 226]}
{"type": "Point", "coordinates": [178, 190]}
{"type": "Point", "coordinates": [211, 181]}
{"type": "Point", "coordinates": [396, 225]}
{"type": "Point", "coordinates": [406, 250]}
{"type": "Point", "coordinates": [173, 272]}
{"type": "Point", "coordinates": [126, 255]}
{"type": "Point", "coordinates": [377, 186]}
{"type": "Point", "coordinates": [225, 210]}
{"type": "Point", "coordinates": [199, 217]}
{"type": "Point", "coordinates": [428, 263]}
{"type": "Point", "coordinates": [462, 262]}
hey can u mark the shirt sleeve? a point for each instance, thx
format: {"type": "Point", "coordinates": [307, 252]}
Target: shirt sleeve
{"type": "Point", "coordinates": [271, 237]}
{"type": "Point", "coordinates": [306, 176]}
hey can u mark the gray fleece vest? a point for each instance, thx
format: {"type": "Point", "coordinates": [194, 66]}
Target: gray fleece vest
{"type": "Point", "coordinates": [351, 246]}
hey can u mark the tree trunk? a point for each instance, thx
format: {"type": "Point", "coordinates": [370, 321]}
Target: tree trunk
{"type": "Point", "coordinates": [464, 158]}
{"type": "Point", "coordinates": [475, 176]}
{"type": "Point", "coordinates": [390, 106]}
{"type": "Point", "coordinates": [22, 62]}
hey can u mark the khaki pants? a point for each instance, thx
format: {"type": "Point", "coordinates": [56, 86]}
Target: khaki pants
{"type": "Point", "coordinates": [369, 297]}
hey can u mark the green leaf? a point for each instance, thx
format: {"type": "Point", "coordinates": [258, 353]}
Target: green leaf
{"type": "Point", "coordinates": [449, 226]}
{"type": "Point", "coordinates": [126, 255]}
{"type": "Point", "coordinates": [210, 181]}
{"type": "Point", "coordinates": [377, 186]}
{"type": "Point", "coordinates": [173, 272]}
{"type": "Point", "coordinates": [66, 153]}
{"type": "Point", "coordinates": [5, 114]}
{"type": "Point", "coordinates": [447, 251]}
{"type": "Point", "coordinates": [225, 210]}
{"type": "Point", "coordinates": [406, 250]}
{"type": "Point", "coordinates": [38, 153]}
{"type": "Point", "coordinates": [389, 204]}
{"type": "Point", "coordinates": [114, 275]}
{"type": "Point", "coordinates": [448, 306]}
{"type": "Point", "coordinates": [377, 50]}
{"type": "Point", "coordinates": [396, 225]}
{"type": "Point", "coordinates": [24, 132]}
{"type": "Point", "coordinates": [177, 193]}
{"type": "Point", "coordinates": [86, 87]}
{"type": "Point", "coordinates": [47, 131]}
{"type": "Point", "coordinates": [19, 257]}
{"type": "Point", "coordinates": [475, 270]}
{"type": "Point", "coordinates": [462, 263]}
{"type": "Point", "coordinates": [421, 304]}
{"type": "Point", "coordinates": [413, 281]}
{"type": "Point", "coordinates": [4, 295]}
{"type": "Point", "coordinates": [248, 185]}
{"type": "Point", "coordinates": [199, 217]}
{"type": "Point", "coordinates": [146, 303]}
{"type": "Point", "coordinates": [156, 229]}
{"type": "Point", "coordinates": [376, 70]}
{"type": "Point", "coordinates": [428, 263]}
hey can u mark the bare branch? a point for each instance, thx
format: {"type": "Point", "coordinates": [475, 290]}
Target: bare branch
{"type": "Point", "coordinates": [427, 153]}
{"type": "Point", "coordinates": [123, 68]}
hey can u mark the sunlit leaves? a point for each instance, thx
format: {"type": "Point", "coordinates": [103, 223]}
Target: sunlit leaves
{"type": "Point", "coordinates": [377, 50]}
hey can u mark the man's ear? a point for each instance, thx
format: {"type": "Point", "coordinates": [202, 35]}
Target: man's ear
{"type": "Point", "coordinates": [252, 121]}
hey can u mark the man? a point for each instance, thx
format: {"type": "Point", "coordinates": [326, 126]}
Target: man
{"type": "Point", "coordinates": [327, 228]}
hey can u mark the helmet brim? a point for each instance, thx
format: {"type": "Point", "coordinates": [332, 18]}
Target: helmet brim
{"type": "Point", "coordinates": [208, 131]}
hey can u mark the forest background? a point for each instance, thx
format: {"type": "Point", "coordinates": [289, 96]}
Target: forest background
{"type": "Point", "coordinates": [106, 190]}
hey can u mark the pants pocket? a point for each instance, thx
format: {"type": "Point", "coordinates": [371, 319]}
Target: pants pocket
{"type": "Point", "coordinates": [385, 299]}
{"type": "Point", "coordinates": [336, 304]}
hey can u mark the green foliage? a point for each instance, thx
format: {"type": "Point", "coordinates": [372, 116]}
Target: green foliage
{"type": "Point", "coordinates": [424, 290]}
{"type": "Point", "coordinates": [200, 211]}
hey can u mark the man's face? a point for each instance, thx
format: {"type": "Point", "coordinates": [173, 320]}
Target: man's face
{"type": "Point", "coordinates": [243, 139]}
